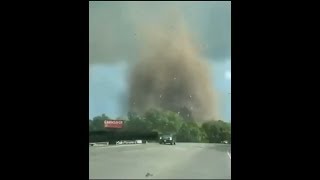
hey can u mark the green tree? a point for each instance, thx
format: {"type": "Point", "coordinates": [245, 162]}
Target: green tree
{"type": "Point", "coordinates": [191, 132]}
{"type": "Point", "coordinates": [136, 123]}
{"type": "Point", "coordinates": [217, 131]}
{"type": "Point", "coordinates": [90, 125]}
{"type": "Point", "coordinates": [162, 121]}
{"type": "Point", "coordinates": [154, 119]}
{"type": "Point", "coordinates": [173, 122]}
{"type": "Point", "coordinates": [98, 122]}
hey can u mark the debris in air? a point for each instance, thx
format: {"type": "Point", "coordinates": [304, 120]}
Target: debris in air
{"type": "Point", "coordinates": [148, 174]}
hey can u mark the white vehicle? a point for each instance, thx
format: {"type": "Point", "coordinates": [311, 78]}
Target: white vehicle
{"type": "Point", "coordinates": [138, 142]}
{"type": "Point", "coordinates": [225, 142]}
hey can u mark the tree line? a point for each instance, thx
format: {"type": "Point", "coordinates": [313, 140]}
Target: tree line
{"type": "Point", "coordinates": [162, 122]}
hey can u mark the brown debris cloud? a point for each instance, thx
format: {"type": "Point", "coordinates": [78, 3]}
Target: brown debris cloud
{"type": "Point", "coordinates": [171, 74]}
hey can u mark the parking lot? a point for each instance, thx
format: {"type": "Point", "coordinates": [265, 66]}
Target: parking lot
{"type": "Point", "coordinates": [155, 161]}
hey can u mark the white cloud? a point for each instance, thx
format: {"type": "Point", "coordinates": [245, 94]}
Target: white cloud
{"type": "Point", "coordinates": [227, 75]}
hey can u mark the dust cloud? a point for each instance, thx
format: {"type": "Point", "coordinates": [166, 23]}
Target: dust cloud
{"type": "Point", "coordinates": [160, 41]}
{"type": "Point", "coordinates": [171, 74]}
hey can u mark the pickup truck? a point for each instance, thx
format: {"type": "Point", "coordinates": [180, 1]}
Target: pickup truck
{"type": "Point", "coordinates": [167, 138]}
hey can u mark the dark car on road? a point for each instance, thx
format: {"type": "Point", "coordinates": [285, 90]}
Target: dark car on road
{"type": "Point", "coordinates": [167, 138]}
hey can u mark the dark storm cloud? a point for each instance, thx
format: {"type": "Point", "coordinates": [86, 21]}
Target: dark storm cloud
{"type": "Point", "coordinates": [114, 33]}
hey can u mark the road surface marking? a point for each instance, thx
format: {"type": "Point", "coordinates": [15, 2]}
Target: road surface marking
{"type": "Point", "coordinates": [229, 155]}
{"type": "Point", "coordinates": [124, 145]}
{"type": "Point", "coordinates": [113, 146]}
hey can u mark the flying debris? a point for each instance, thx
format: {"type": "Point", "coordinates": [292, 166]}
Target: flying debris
{"type": "Point", "coordinates": [166, 56]}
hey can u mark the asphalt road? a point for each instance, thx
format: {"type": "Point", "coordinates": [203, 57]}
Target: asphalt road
{"type": "Point", "coordinates": [155, 161]}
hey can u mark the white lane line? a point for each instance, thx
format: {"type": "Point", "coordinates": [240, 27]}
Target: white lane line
{"type": "Point", "coordinates": [229, 155]}
{"type": "Point", "coordinates": [112, 146]}
{"type": "Point", "coordinates": [123, 145]}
